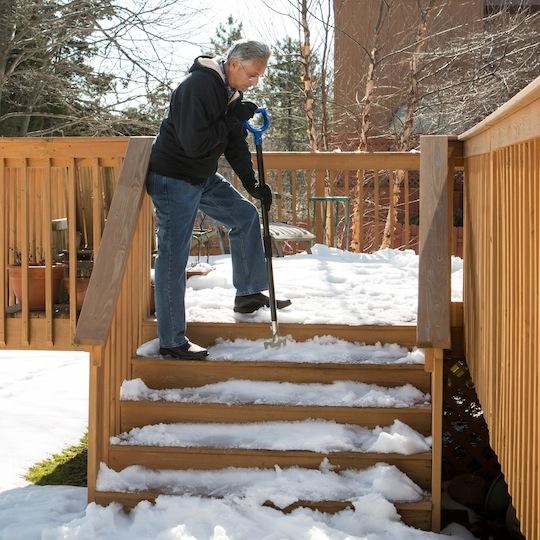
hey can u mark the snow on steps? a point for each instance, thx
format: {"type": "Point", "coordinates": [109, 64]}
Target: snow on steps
{"type": "Point", "coordinates": [283, 489]}
{"type": "Point", "coordinates": [415, 466]}
{"type": "Point", "coordinates": [160, 373]}
{"type": "Point", "coordinates": [263, 401]}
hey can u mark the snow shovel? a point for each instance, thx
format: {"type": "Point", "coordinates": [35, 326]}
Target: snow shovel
{"type": "Point", "coordinates": [276, 341]}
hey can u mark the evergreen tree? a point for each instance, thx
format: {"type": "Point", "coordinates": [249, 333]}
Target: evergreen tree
{"type": "Point", "coordinates": [226, 35]}
{"type": "Point", "coordinates": [282, 91]}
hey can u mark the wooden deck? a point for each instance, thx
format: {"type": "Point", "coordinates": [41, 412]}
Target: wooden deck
{"type": "Point", "coordinates": [115, 317]}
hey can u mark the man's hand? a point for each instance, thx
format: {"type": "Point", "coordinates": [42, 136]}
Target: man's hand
{"type": "Point", "coordinates": [243, 110]}
{"type": "Point", "coordinates": [263, 193]}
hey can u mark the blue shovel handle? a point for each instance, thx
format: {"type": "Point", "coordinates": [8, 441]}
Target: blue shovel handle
{"type": "Point", "coordinates": [258, 132]}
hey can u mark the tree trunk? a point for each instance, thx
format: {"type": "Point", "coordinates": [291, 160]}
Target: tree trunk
{"type": "Point", "coordinates": [305, 57]}
{"type": "Point", "coordinates": [364, 128]}
{"type": "Point", "coordinates": [396, 181]}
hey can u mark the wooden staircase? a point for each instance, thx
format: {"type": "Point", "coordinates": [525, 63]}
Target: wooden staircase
{"type": "Point", "coordinates": [114, 321]}
{"type": "Point", "coordinates": [161, 374]}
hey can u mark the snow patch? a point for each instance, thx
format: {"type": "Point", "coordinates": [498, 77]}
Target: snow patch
{"type": "Point", "coordinates": [311, 435]}
{"type": "Point", "coordinates": [279, 486]}
{"type": "Point", "coordinates": [379, 288]}
{"type": "Point", "coordinates": [235, 392]}
{"type": "Point", "coordinates": [320, 349]}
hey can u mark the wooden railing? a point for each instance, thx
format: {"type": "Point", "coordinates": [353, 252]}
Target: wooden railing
{"type": "Point", "coordinates": [440, 155]}
{"type": "Point", "coordinates": [45, 183]}
{"type": "Point", "coordinates": [366, 178]}
{"type": "Point", "coordinates": [502, 290]}
{"type": "Point", "coordinates": [110, 324]}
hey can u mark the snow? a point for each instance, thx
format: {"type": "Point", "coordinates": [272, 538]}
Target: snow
{"type": "Point", "coordinates": [44, 402]}
{"type": "Point", "coordinates": [379, 288]}
{"type": "Point", "coordinates": [320, 349]}
{"type": "Point", "coordinates": [32, 424]}
{"type": "Point", "coordinates": [336, 394]}
{"type": "Point", "coordinates": [282, 487]}
{"type": "Point", "coordinates": [310, 435]}
{"type": "Point", "coordinates": [61, 513]}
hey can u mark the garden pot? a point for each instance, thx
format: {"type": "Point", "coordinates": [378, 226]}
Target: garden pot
{"type": "Point", "coordinates": [81, 284]}
{"type": "Point", "coordinates": [36, 284]}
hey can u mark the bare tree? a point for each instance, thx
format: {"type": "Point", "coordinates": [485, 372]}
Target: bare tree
{"type": "Point", "coordinates": [396, 180]}
{"type": "Point", "coordinates": [73, 67]}
{"type": "Point", "coordinates": [305, 58]}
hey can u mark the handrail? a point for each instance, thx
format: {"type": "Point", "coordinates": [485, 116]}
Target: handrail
{"type": "Point", "coordinates": [342, 160]}
{"type": "Point", "coordinates": [97, 312]}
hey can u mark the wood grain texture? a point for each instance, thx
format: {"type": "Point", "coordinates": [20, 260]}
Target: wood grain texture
{"type": "Point", "coordinates": [437, 434]}
{"type": "Point", "coordinates": [433, 326]}
{"type": "Point", "coordinates": [162, 373]}
{"type": "Point", "coordinates": [340, 160]}
{"type": "Point", "coordinates": [104, 287]}
{"type": "Point", "coordinates": [141, 413]}
{"type": "Point", "coordinates": [3, 254]}
{"type": "Point", "coordinates": [502, 309]}
{"type": "Point", "coordinates": [207, 333]}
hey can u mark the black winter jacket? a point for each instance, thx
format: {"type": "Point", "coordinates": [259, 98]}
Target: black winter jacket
{"type": "Point", "coordinates": [197, 129]}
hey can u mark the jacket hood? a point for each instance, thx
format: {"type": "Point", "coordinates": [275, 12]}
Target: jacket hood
{"type": "Point", "coordinates": [207, 63]}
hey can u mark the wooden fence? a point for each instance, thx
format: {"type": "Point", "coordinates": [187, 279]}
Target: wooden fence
{"type": "Point", "coordinates": [57, 193]}
{"type": "Point", "coordinates": [367, 179]}
{"type": "Point", "coordinates": [502, 289]}
{"type": "Point", "coordinates": [54, 193]}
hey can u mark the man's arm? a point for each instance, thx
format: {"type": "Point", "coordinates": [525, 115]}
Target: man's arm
{"type": "Point", "coordinates": [238, 155]}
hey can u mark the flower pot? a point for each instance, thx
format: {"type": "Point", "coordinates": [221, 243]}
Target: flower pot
{"type": "Point", "coordinates": [36, 284]}
{"type": "Point", "coordinates": [81, 284]}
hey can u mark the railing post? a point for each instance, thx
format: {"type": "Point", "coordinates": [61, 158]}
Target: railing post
{"type": "Point", "coordinates": [433, 326]}
{"type": "Point", "coordinates": [434, 287]}
{"type": "Point", "coordinates": [434, 365]}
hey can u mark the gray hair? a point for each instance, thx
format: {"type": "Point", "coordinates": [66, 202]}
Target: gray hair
{"type": "Point", "coordinates": [245, 50]}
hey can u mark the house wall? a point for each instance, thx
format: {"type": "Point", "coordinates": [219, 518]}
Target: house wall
{"type": "Point", "coordinates": [355, 22]}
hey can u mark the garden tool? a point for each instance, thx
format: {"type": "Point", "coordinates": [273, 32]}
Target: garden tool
{"type": "Point", "coordinates": [276, 341]}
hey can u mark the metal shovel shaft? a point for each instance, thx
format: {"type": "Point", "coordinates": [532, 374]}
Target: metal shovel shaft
{"type": "Point", "coordinates": [267, 241]}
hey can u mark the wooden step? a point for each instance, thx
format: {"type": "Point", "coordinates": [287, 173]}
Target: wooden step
{"type": "Point", "coordinates": [161, 373]}
{"type": "Point", "coordinates": [416, 466]}
{"type": "Point", "coordinates": [416, 514]}
{"type": "Point", "coordinates": [206, 333]}
{"type": "Point", "coordinates": [142, 413]}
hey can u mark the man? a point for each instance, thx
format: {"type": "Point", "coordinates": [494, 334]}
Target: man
{"type": "Point", "coordinates": [204, 121]}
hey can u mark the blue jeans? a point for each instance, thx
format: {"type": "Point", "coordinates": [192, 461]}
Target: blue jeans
{"type": "Point", "coordinates": [176, 203]}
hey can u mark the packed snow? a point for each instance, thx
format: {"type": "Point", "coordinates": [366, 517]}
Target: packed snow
{"type": "Point", "coordinates": [282, 487]}
{"type": "Point", "coordinates": [336, 394]}
{"type": "Point", "coordinates": [61, 513]}
{"type": "Point", "coordinates": [320, 349]}
{"type": "Point", "coordinates": [32, 424]}
{"type": "Point", "coordinates": [310, 435]}
{"type": "Point", "coordinates": [379, 288]}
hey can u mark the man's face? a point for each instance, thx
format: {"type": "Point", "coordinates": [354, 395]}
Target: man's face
{"type": "Point", "coordinates": [244, 75]}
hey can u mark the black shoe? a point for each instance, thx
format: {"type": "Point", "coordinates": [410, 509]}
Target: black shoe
{"type": "Point", "coordinates": [252, 302]}
{"type": "Point", "coordinates": [189, 351]}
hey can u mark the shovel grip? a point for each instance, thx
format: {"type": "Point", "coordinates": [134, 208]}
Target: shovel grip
{"type": "Point", "coordinates": [258, 131]}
